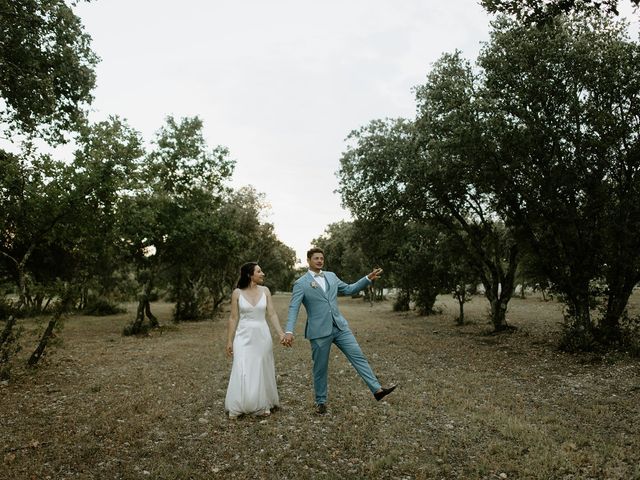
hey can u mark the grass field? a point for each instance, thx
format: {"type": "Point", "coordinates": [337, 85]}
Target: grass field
{"type": "Point", "coordinates": [469, 405]}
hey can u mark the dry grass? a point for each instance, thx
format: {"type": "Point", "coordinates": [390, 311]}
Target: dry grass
{"type": "Point", "coordinates": [470, 405]}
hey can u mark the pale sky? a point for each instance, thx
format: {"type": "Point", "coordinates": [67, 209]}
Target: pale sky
{"type": "Point", "coordinates": [280, 83]}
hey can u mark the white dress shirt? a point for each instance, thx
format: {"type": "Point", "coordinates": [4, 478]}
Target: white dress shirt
{"type": "Point", "coordinates": [319, 279]}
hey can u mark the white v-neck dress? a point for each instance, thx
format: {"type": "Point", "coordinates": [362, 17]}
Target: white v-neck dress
{"type": "Point", "coordinates": [252, 383]}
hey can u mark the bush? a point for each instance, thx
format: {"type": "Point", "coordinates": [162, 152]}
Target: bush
{"type": "Point", "coordinates": [630, 335]}
{"type": "Point", "coordinates": [136, 329]}
{"type": "Point", "coordinates": [7, 308]}
{"type": "Point", "coordinates": [576, 336]}
{"type": "Point", "coordinates": [101, 307]}
{"type": "Point", "coordinates": [402, 301]}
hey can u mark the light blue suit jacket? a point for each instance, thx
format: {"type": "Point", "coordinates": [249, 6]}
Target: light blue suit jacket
{"type": "Point", "coordinates": [322, 307]}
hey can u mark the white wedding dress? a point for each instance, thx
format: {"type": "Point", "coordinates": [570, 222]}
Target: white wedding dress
{"type": "Point", "coordinates": [252, 384]}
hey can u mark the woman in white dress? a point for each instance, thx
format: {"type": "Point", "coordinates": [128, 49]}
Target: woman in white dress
{"type": "Point", "coordinates": [252, 384]}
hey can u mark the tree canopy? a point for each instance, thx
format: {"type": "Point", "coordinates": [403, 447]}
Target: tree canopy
{"type": "Point", "coordinates": [533, 151]}
{"type": "Point", "coordinates": [539, 12]}
{"type": "Point", "coordinates": [46, 68]}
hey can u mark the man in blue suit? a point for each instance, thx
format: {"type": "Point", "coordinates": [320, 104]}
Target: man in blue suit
{"type": "Point", "coordinates": [318, 292]}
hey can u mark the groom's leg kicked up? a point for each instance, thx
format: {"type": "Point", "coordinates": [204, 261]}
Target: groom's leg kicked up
{"type": "Point", "coordinates": [348, 344]}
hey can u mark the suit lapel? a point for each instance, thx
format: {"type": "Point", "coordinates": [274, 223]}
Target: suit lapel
{"type": "Point", "coordinates": [327, 285]}
{"type": "Point", "coordinates": [326, 281]}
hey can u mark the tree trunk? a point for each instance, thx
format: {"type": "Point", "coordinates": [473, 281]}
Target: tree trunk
{"type": "Point", "coordinates": [6, 332]}
{"type": "Point", "coordinates": [501, 289]}
{"type": "Point", "coordinates": [616, 305]}
{"type": "Point", "coordinates": [23, 293]}
{"type": "Point", "coordinates": [44, 340]}
{"type": "Point", "coordinates": [402, 301]}
{"type": "Point", "coordinates": [499, 315]}
{"type": "Point", "coordinates": [147, 308]}
{"type": "Point", "coordinates": [370, 295]}
{"type": "Point", "coordinates": [46, 336]}
{"type": "Point", "coordinates": [579, 331]}
{"type": "Point", "coordinates": [144, 308]}
{"type": "Point", "coordinates": [136, 326]}
{"type": "Point", "coordinates": [461, 300]}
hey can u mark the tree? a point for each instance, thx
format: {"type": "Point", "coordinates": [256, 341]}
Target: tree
{"type": "Point", "coordinates": [35, 202]}
{"type": "Point", "coordinates": [247, 239]}
{"type": "Point", "coordinates": [538, 12]}
{"type": "Point", "coordinates": [58, 218]}
{"type": "Point", "coordinates": [174, 212]}
{"type": "Point", "coordinates": [427, 173]}
{"type": "Point", "coordinates": [343, 253]}
{"type": "Point", "coordinates": [275, 258]}
{"type": "Point", "coordinates": [46, 68]}
{"type": "Point", "coordinates": [107, 157]}
{"type": "Point", "coordinates": [419, 268]}
{"type": "Point", "coordinates": [459, 277]}
{"type": "Point", "coordinates": [372, 188]}
{"type": "Point", "coordinates": [564, 115]}
{"type": "Point", "coordinates": [405, 196]}
{"type": "Point", "coordinates": [446, 182]}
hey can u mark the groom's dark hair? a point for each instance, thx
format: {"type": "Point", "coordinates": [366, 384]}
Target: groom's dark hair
{"type": "Point", "coordinates": [314, 250]}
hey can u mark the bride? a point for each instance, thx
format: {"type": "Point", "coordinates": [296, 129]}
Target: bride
{"type": "Point", "coordinates": [252, 384]}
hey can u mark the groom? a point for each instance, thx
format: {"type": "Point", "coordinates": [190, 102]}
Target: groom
{"type": "Point", "coordinates": [318, 291]}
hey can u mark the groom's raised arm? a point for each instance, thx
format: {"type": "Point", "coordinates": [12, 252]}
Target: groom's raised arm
{"type": "Point", "coordinates": [345, 289]}
{"type": "Point", "coordinates": [352, 289]}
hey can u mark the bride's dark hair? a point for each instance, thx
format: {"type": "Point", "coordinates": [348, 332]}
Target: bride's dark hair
{"type": "Point", "coordinates": [246, 271]}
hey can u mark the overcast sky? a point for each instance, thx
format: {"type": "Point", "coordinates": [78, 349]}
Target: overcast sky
{"type": "Point", "coordinates": [280, 83]}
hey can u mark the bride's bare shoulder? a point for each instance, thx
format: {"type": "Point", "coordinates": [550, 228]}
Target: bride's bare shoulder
{"type": "Point", "coordinates": [266, 290]}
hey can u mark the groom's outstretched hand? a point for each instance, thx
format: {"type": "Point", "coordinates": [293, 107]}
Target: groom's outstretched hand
{"type": "Point", "coordinates": [376, 274]}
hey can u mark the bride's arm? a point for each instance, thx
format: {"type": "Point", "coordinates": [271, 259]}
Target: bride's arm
{"type": "Point", "coordinates": [233, 321]}
{"type": "Point", "coordinates": [272, 315]}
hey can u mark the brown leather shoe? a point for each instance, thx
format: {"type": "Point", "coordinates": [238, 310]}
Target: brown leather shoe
{"type": "Point", "coordinates": [384, 392]}
{"type": "Point", "coordinates": [321, 409]}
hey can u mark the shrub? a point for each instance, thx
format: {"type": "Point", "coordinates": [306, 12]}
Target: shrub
{"type": "Point", "coordinates": [100, 307]}
{"type": "Point", "coordinates": [7, 308]}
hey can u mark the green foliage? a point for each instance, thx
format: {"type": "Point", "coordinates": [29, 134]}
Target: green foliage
{"type": "Point", "coordinates": [538, 12]}
{"type": "Point", "coordinates": [424, 173]}
{"type": "Point", "coordinates": [46, 67]}
{"type": "Point", "coordinates": [60, 217]}
{"type": "Point", "coordinates": [114, 215]}
{"type": "Point", "coordinates": [101, 307]}
{"type": "Point", "coordinates": [130, 329]}
{"type": "Point", "coordinates": [343, 252]}
{"type": "Point", "coordinates": [630, 334]}
{"type": "Point", "coordinates": [7, 308]}
{"type": "Point", "coordinates": [416, 267]}
{"type": "Point", "coordinates": [562, 111]}
{"type": "Point", "coordinates": [534, 151]}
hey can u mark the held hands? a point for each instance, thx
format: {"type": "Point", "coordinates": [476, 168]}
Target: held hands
{"type": "Point", "coordinates": [376, 274]}
{"type": "Point", "coordinates": [283, 339]}
{"type": "Point", "coordinates": [286, 340]}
